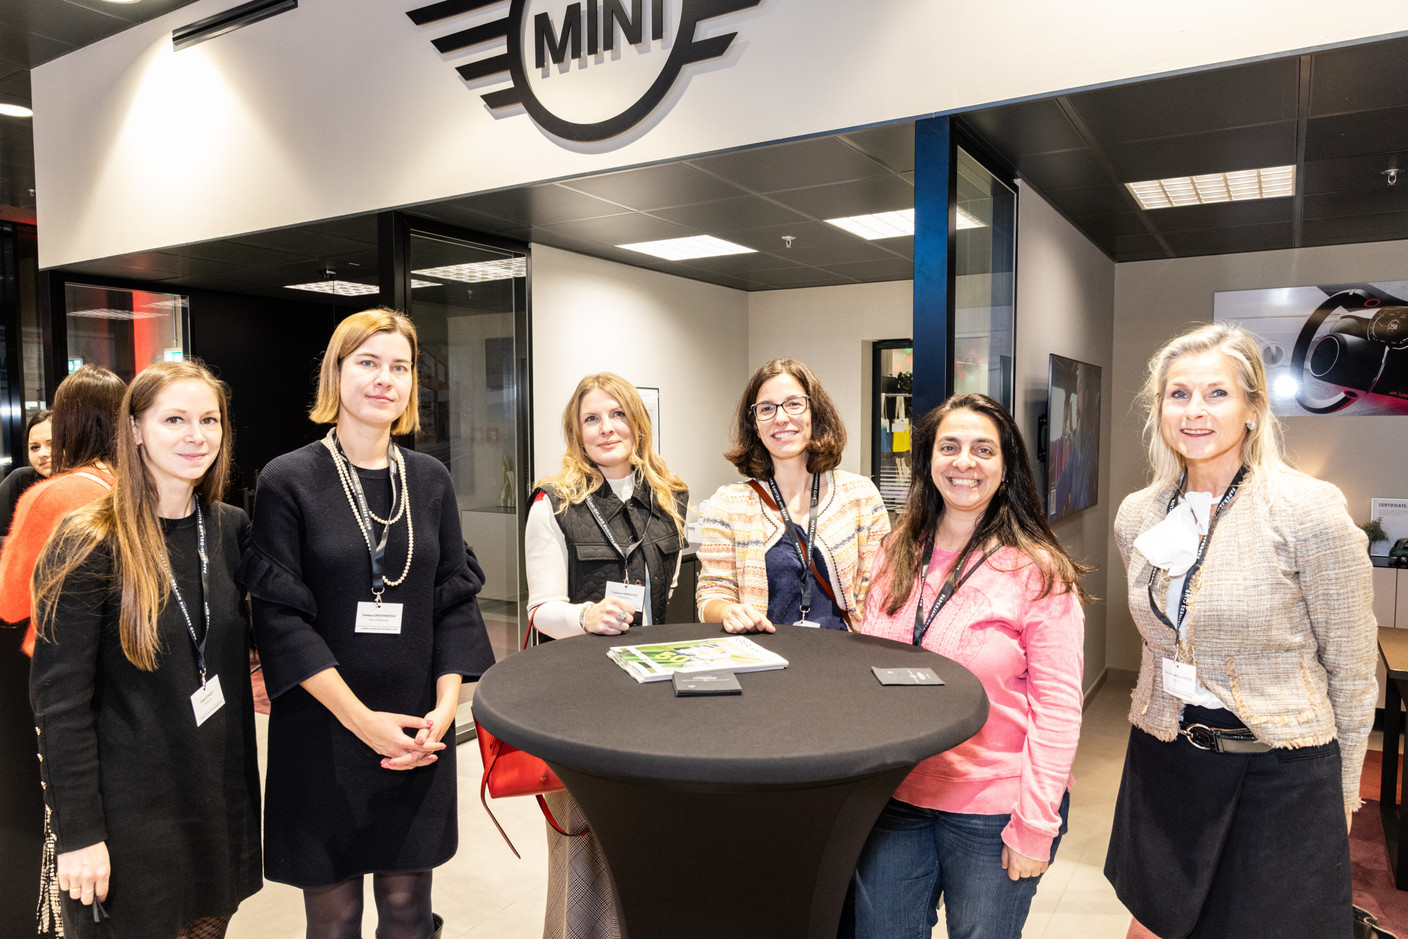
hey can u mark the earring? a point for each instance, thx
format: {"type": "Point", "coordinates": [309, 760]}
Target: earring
{"type": "Point", "coordinates": [1251, 425]}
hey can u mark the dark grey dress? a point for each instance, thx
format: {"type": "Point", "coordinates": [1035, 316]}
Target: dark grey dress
{"type": "Point", "coordinates": [122, 758]}
{"type": "Point", "coordinates": [331, 811]}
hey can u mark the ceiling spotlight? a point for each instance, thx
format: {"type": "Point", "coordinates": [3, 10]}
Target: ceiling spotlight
{"type": "Point", "coordinates": [1392, 175]}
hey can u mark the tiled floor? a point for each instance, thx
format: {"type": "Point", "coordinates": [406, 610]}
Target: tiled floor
{"type": "Point", "coordinates": [485, 893]}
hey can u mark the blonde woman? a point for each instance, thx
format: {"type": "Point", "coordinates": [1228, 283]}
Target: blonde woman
{"type": "Point", "coordinates": [602, 545]}
{"type": "Point", "coordinates": [1251, 589]}
{"type": "Point", "coordinates": [140, 682]}
{"type": "Point", "coordinates": [365, 611]}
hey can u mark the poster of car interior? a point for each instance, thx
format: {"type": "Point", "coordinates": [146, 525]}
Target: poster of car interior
{"type": "Point", "coordinates": [1329, 349]}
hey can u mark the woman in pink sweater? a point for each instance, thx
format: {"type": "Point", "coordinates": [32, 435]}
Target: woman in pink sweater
{"type": "Point", "coordinates": [978, 825]}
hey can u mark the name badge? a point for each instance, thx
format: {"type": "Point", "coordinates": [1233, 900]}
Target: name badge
{"type": "Point", "coordinates": [634, 594]}
{"type": "Point", "coordinates": [1180, 679]}
{"type": "Point", "coordinates": [383, 618]}
{"type": "Point", "coordinates": [207, 700]}
{"type": "Point", "coordinates": [808, 623]}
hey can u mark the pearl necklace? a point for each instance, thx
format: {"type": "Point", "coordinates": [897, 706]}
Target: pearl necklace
{"type": "Point", "coordinates": [344, 475]}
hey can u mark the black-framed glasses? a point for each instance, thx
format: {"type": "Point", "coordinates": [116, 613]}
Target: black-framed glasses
{"type": "Point", "coordinates": [765, 411]}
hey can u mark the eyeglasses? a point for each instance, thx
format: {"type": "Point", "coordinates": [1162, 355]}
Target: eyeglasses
{"type": "Point", "coordinates": [765, 411]}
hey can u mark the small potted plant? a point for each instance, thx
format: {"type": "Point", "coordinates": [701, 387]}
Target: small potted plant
{"type": "Point", "coordinates": [1374, 529]}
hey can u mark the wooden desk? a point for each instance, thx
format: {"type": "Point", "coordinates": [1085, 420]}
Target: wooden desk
{"type": "Point", "coordinates": [1393, 648]}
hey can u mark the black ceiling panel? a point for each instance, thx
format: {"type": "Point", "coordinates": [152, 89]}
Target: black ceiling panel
{"type": "Point", "coordinates": [1111, 224]}
{"type": "Point", "coordinates": [1384, 130]}
{"type": "Point", "coordinates": [743, 264]}
{"type": "Point", "coordinates": [540, 205]}
{"type": "Point", "coordinates": [1349, 229]}
{"type": "Point", "coordinates": [621, 229]}
{"type": "Point", "coordinates": [729, 215]}
{"type": "Point", "coordinates": [857, 197]}
{"type": "Point", "coordinates": [1095, 200]}
{"type": "Point", "coordinates": [1196, 103]}
{"type": "Point", "coordinates": [792, 165]}
{"type": "Point", "coordinates": [1221, 215]}
{"type": "Point", "coordinates": [1351, 173]}
{"type": "Point", "coordinates": [1359, 78]}
{"type": "Point", "coordinates": [870, 271]}
{"type": "Point", "coordinates": [1070, 169]}
{"type": "Point", "coordinates": [891, 145]}
{"type": "Point", "coordinates": [798, 277]}
{"type": "Point", "coordinates": [1237, 148]}
{"type": "Point", "coordinates": [656, 187]}
{"type": "Point", "coordinates": [857, 249]}
{"type": "Point", "coordinates": [1224, 240]}
{"type": "Point", "coordinates": [805, 234]}
{"type": "Point", "coordinates": [1360, 202]}
{"type": "Point", "coordinates": [1028, 127]}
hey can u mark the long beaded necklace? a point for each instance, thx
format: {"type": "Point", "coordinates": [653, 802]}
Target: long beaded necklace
{"type": "Point", "coordinates": [344, 475]}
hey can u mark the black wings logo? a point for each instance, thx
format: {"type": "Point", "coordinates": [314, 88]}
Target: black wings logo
{"type": "Point", "coordinates": [585, 28]}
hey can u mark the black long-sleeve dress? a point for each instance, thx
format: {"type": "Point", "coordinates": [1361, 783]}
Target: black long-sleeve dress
{"type": "Point", "coordinates": [122, 758]}
{"type": "Point", "coordinates": [331, 811]}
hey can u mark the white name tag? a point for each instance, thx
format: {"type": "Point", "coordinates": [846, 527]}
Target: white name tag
{"type": "Point", "coordinates": [207, 700]}
{"type": "Point", "coordinates": [634, 594]}
{"type": "Point", "coordinates": [807, 622]}
{"type": "Point", "coordinates": [1180, 679]}
{"type": "Point", "coordinates": [384, 618]}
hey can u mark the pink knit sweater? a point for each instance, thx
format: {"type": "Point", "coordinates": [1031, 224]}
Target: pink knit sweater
{"type": "Point", "coordinates": [1029, 654]}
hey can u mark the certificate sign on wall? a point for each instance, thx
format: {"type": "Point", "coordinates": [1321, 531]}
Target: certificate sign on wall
{"type": "Point", "coordinates": [1393, 514]}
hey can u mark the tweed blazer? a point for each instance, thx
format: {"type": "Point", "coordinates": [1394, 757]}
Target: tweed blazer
{"type": "Point", "coordinates": [739, 529]}
{"type": "Point", "coordinates": [1281, 622]}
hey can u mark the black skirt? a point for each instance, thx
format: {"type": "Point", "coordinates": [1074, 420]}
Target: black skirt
{"type": "Point", "coordinates": [1209, 844]}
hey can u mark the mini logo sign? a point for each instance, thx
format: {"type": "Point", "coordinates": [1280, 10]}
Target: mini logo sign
{"type": "Point", "coordinates": [584, 70]}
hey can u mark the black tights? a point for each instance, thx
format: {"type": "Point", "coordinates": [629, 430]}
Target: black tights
{"type": "Point", "coordinates": [208, 927]}
{"type": "Point", "coordinates": [402, 907]}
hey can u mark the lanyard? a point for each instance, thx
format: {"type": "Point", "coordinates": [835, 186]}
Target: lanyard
{"type": "Point", "coordinates": [1222, 505]}
{"type": "Point", "coordinates": [951, 584]}
{"type": "Point", "coordinates": [364, 517]}
{"type": "Point", "coordinates": [204, 591]}
{"type": "Point", "coordinates": [631, 548]}
{"type": "Point", "coordinates": [796, 542]}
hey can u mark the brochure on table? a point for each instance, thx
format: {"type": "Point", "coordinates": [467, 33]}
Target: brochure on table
{"type": "Point", "coordinates": [657, 661]}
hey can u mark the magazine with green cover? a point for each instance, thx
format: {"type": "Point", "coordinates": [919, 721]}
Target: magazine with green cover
{"type": "Point", "coordinates": [657, 661]}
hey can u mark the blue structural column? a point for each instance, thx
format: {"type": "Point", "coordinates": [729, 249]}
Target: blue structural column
{"type": "Point", "coordinates": [933, 263]}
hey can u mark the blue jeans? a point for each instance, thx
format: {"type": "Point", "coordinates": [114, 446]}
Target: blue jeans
{"type": "Point", "coordinates": [915, 856]}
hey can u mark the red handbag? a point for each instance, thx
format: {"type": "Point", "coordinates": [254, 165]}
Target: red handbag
{"type": "Point", "coordinates": [509, 771]}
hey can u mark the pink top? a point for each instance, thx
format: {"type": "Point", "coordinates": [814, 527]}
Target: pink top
{"type": "Point", "coordinates": [1029, 654]}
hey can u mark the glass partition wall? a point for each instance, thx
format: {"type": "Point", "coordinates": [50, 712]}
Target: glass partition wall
{"type": "Point", "coordinates": [984, 281]}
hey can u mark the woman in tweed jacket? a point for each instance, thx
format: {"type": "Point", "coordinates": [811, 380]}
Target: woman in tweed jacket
{"type": "Point", "coordinates": [788, 438]}
{"type": "Point", "coordinates": [1256, 687]}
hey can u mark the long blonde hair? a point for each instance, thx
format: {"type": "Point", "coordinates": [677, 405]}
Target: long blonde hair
{"type": "Point", "coordinates": [1262, 449]}
{"type": "Point", "coordinates": [580, 477]}
{"type": "Point", "coordinates": [127, 518]}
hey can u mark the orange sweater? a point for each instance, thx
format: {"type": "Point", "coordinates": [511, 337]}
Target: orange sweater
{"type": "Point", "coordinates": [39, 512]}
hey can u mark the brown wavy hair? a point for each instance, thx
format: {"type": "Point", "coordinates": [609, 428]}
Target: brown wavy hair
{"type": "Point", "coordinates": [86, 404]}
{"type": "Point", "coordinates": [349, 334]}
{"type": "Point", "coordinates": [1014, 518]}
{"type": "Point", "coordinates": [747, 451]}
{"type": "Point", "coordinates": [126, 518]}
{"type": "Point", "coordinates": [580, 477]}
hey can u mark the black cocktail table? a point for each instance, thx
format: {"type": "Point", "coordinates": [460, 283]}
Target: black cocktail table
{"type": "Point", "coordinates": [731, 816]}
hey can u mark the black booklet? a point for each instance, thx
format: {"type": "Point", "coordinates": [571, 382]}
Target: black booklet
{"type": "Point", "coordinates": [697, 683]}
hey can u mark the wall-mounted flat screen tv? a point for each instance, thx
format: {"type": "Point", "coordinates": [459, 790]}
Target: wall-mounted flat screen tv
{"type": "Point", "coordinates": [1073, 437]}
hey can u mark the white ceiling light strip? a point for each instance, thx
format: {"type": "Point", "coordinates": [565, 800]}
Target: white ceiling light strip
{"type": "Point", "coordinates": [341, 288]}
{"type": "Point", "coordinates": [685, 249]}
{"type": "Point", "coordinates": [1270, 182]}
{"type": "Point", "coordinates": [478, 272]}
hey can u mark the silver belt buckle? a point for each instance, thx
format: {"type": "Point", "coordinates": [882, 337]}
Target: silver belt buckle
{"type": "Point", "coordinates": [1201, 736]}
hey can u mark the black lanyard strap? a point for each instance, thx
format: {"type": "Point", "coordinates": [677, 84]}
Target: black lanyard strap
{"type": "Point", "coordinates": [1192, 572]}
{"type": "Point", "coordinates": [364, 517]}
{"type": "Point", "coordinates": [630, 549]}
{"type": "Point", "coordinates": [199, 643]}
{"type": "Point", "coordinates": [796, 541]}
{"type": "Point", "coordinates": [950, 586]}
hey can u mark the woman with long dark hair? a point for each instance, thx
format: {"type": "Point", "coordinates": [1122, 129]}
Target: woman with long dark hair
{"type": "Point", "coordinates": [38, 436]}
{"type": "Point", "coordinates": [974, 573]}
{"type": "Point", "coordinates": [140, 682]}
{"type": "Point", "coordinates": [365, 610]}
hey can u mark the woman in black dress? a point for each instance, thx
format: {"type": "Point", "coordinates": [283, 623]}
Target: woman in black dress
{"type": "Point", "coordinates": [140, 682]}
{"type": "Point", "coordinates": [38, 435]}
{"type": "Point", "coordinates": [365, 612]}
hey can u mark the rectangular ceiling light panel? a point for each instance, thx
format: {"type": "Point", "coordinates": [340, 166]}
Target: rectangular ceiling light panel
{"type": "Point", "coordinates": [1240, 185]}
{"type": "Point", "coordinates": [342, 288]}
{"type": "Point", "coordinates": [879, 225]}
{"type": "Point", "coordinates": [478, 272]}
{"type": "Point", "coordinates": [685, 249]}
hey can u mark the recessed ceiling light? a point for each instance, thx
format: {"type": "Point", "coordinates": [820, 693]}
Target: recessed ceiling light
{"type": "Point", "coordinates": [879, 225]}
{"type": "Point", "coordinates": [424, 283]}
{"type": "Point", "coordinates": [111, 314]}
{"type": "Point", "coordinates": [685, 249]}
{"type": "Point", "coordinates": [967, 219]}
{"type": "Point", "coordinates": [16, 110]}
{"type": "Point", "coordinates": [342, 288]}
{"type": "Point", "coordinates": [1238, 186]}
{"type": "Point", "coordinates": [478, 272]}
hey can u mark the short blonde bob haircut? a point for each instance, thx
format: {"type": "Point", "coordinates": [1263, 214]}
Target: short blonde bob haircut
{"type": "Point", "coordinates": [349, 334]}
{"type": "Point", "coordinates": [1262, 450]}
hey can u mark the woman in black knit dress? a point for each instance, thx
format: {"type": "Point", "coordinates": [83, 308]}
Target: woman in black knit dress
{"type": "Point", "coordinates": [140, 681]}
{"type": "Point", "coordinates": [365, 612]}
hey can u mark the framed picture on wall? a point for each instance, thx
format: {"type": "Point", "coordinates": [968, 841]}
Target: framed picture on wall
{"type": "Point", "coordinates": [651, 398]}
{"type": "Point", "coordinates": [1329, 349]}
{"type": "Point", "coordinates": [1073, 437]}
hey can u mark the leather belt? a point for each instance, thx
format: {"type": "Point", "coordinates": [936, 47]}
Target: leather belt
{"type": "Point", "coordinates": [1223, 739]}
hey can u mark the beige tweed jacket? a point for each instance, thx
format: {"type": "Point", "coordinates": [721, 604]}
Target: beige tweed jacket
{"type": "Point", "coordinates": [1282, 622]}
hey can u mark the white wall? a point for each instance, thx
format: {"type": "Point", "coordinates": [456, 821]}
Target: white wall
{"type": "Point", "coordinates": [1065, 305]}
{"type": "Point", "coordinates": [681, 336]}
{"type": "Point", "coordinates": [1156, 300]}
{"type": "Point", "coordinates": [830, 329]}
{"type": "Point", "coordinates": [343, 106]}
